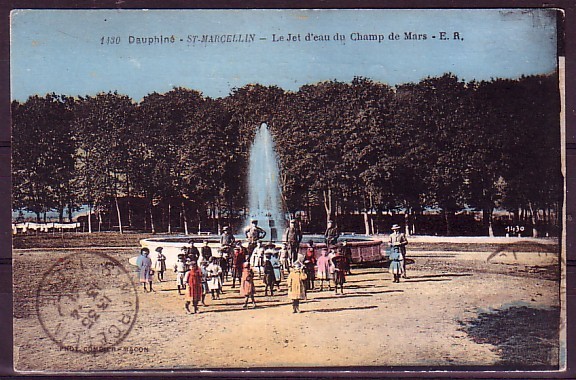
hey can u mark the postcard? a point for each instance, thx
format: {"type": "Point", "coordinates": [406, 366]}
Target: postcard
{"type": "Point", "coordinates": [287, 189]}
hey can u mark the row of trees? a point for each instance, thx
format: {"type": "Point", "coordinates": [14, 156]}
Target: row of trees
{"type": "Point", "coordinates": [346, 148]}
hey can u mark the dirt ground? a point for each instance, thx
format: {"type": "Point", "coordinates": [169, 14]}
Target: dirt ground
{"type": "Point", "coordinates": [463, 305]}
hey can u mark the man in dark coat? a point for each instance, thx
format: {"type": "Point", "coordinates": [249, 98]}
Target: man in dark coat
{"type": "Point", "coordinates": [331, 234]}
{"type": "Point", "coordinates": [206, 251]}
{"type": "Point", "coordinates": [192, 252]}
{"type": "Point", "coordinates": [227, 239]}
{"type": "Point", "coordinates": [293, 238]}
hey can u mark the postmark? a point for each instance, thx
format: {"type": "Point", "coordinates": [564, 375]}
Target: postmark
{"type": "Point", "coordinates": [87, 303]}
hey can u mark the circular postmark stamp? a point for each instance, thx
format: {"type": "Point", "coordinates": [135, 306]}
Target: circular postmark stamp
{"type": "Point", "coordinates": [87, 302]}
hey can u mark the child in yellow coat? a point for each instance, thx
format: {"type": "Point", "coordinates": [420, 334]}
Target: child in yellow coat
{"type": "Point", "coordinates": [296, 287]}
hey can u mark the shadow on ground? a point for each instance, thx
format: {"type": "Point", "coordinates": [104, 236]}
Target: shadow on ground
{"type": "Point", "coordinates": [525, 338]}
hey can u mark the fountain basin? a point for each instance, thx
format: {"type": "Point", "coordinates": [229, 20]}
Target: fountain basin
{"type": "Point", "coordinates": [364, 248]}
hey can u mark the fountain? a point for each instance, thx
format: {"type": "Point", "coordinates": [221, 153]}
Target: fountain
{"type": "Point", "coordinates": [265, 206]}
{"type": "Point", "coordinates": [265, 194]}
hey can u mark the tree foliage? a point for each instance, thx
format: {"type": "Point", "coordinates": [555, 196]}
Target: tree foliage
{"type": "Point", "coordinates": [361, 147]}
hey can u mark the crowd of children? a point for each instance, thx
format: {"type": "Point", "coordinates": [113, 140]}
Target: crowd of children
{"type": "Point", "coordinates": [201, 272]}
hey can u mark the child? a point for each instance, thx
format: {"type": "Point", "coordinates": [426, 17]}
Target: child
{"type": "Point", "coordinates": [340, 266]}
{"type": "Point", "coordinates": [324, 269]}
{"type": "Point", "coordinates": [205, 289]}
{"type": "Point", "coordinates": [269, 278]}
{"type": "Point", "coordinates": [309, 264]}
{"type": "Point", "coordinates": [214, 274]}
{"type": "Point", "coordinates": [296, 287]}
{"type": "Point", "coordinates": [247, 288]}
{"type": "Point", "coordinates": [396, 263]}
{"type": "Point", "coordinates": [160, 264]}
{"type": "Point", "coordinates": [145, 268]}
{"type": "Point", "coordinates": [285, 258]}
{"type": "Point", "coordinates": [195, 292]}
{"type": "Point", "coordinates": [180, 269]}
{"type": "Point", "coordinates": [238, 259]}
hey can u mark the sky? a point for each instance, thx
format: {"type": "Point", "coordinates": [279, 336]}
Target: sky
{"type": "Point", "coordinates": [85, 52]}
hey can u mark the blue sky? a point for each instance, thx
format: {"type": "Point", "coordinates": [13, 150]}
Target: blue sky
{"type": "Point", "coordinates": [60, 50]}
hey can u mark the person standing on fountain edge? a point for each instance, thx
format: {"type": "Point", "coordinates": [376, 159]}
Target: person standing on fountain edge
{"type": "Point", "coordinates": [253, 234]}
{"type": "Point", "coordinates": [293, 239]}
{"type": "Point", "coordinates": [331, 234]}
{"type": "Point", "coordinates": [398, 239]}
{"type": "Point", "coordinates": [227, 240]}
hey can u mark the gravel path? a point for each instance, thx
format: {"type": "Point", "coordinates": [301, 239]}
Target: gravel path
{"type": "Point", "coordinates": [435, 318]}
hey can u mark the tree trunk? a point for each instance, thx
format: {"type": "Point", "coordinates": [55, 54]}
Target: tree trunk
{"type": "Point", "coordinates": [407, 222]}
{"type": "Point", "coordinates": [70, 212]}
{"type": "Point", "coordinates": [169, 217]}
{"type": "Point", "coordinates": [119, 214]}
{"type": "Point", "coordinates": [60, 214]}
{"type": "Point", "coordinates": [534, 219]}
{"type": "Point", "coordinates": [185, 218]}
{"type": "Point", "coordinates": [487, 221]}
{"type": "Point", "coordinates": [152, 227]}
{"type": "Point", "coordinates": [89, 217]}
{"type": "Point", "coordinates": [328, 204]}
{"type": "Point", "coordinates": [448, 225]}
{"type": "Point", "coordinates": [128, 203]}
{"type": "Point", "coordinates": [367, 226]}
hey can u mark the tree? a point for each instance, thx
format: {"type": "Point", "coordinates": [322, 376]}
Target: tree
{"type": "Point", "coordinates": [436, 110]}
{"type": "Point", "coordinates": [105, 145]}
{"type": "Point", "coordinates": [43, 155]}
